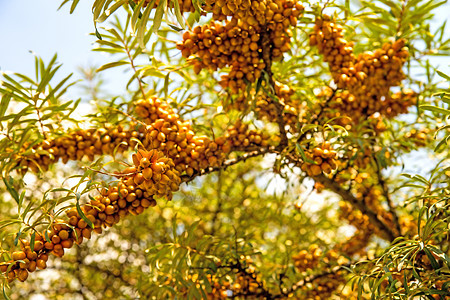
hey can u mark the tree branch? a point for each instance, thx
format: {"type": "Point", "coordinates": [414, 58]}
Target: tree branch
{"type": "Point", "coordinates": [347, 196]}
{"type": "Point", "coordinates": [267, 57]}
{"type": "Point", "coordinates": [386, 195]}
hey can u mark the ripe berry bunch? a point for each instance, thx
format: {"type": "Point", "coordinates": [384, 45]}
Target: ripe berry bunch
{"type": "Point", "coordinates": [355, 217]}
{"type": "Point", "coordinates": [215, 46]}
{"type": "Point", "coordinates": [25, 261]}
{"type": "Point", "coordinates": [328, 37]}
{"type": "Point", "coordinates": [243, 285]}
{"type": "Point", "coordinates": [398, 103]}
{"type": "Point", "coordinates": [347, 104]}
{"type": "Point", "coordinates": [419, 137]}
{"type": "Point", "coordinates": [323, 160]}
{"type": "Point", "coordinates": [219, 289]}
{"type": "Point", "coordinates": [323, 287]}
{"type": "Point", "coordinates": [242, 138]}
{"type": "Point", "coordinates": [175, 137]}
{"type": "Point", "coordinates": [247, 44]}
{"type": "Point", "coordinates": [368, 77]}
{"type": "Point", "coordinates": [77, 145]}
{"type": "Point", "coordinates": [153, 175]}
{"type": "Point", "coordinates": [265, 108]}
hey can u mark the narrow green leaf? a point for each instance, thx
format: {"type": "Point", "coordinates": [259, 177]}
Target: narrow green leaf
{"type": "Point", "coordinates": [178, 14]}
{"type": "Point", "coordinates": [140, 33]}
{"type": "Point", "coordinates": [47, 238]}
{"type": "Point", "coordinates": [82, 215]}
{"type": "Point", "coordinates": [166, 85]}
{"type": "Point", "coordinates": [97, 7]}
{"type": "Point", "coordinates": [303, 155]}
{"type": "Point", "coordinates": [159, 15]}
{"type": "Point", "coordinates": [430, 256]}
{"type": "Point", "coordinates": [112, 65]}
{"type": "Point", "coordinates": [97, 34]}
{"type": "Point", "coordinates": [443, 75]}
{"type": "Point", "coordinates": [4, 104]}
{"type": "Point", "coordinates": [32, 239]}
{"type": "Point", "coordinates": [136, 14]}
{"type": "Point", "coordinates": [9, 186]}
{"type": "Point", "coordinates": [4, 293]}
{"type": "Point", "coordinates": [435, 109]}
{"type": "Point", "coordinates": [110, 10]}
{"type": "Point", "coordinates": [16, 240]}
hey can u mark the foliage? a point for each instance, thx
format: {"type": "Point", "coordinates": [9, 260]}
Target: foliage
{"type": "Point", "coordinates": [257, 152]}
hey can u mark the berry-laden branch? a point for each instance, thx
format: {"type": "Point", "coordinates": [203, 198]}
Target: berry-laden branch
{"type": "Point", "coordinates": [170, 147]}
{"type": "Point", "coordinates": [153, 175]}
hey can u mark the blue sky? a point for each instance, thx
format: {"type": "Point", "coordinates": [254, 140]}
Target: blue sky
{"type": "Point", "coordinates": [37, 26]}
{"type": "Point", "coordinates": [30, 25]}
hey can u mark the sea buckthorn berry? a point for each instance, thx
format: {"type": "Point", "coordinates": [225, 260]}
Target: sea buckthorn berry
{"type": "Point", "coordinates": [22, 275]}
{"type": "Point", "coordinates": [63, 234]}
{"type": "Point", "coordinates": [41, 264]}
{"type": "Point", "coordinates": [19, 255]}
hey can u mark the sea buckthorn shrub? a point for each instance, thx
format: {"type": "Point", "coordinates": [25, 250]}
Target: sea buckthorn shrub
{"type": "Point", "coordinates": [273, 141]}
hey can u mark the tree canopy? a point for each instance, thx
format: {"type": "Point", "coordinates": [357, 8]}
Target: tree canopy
{"type": "Point", "coordinates": [264, 149]}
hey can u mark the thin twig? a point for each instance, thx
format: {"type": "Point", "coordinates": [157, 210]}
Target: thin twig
{"type": "Point", "coordinates": [139, 79]}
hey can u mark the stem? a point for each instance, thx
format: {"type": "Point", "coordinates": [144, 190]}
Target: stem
{"type": "Point", "coordinates": [219, 203]}
{"type": "Point", "coordinates": [386, 195]}
{"type": "Point", "coordinates": [267, 57]}
{"type": "Point", "coordinates": [347, 196]}
{"type": "Point", "coordinates": [39, 118]}
{"type": "Point", "coordinates": [130, 58]}
{"type": "Point", "coordinates": [400, 19]}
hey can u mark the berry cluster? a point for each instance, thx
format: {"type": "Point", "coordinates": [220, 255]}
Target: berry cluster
{"type": "Point", "coordinates": [265, 107]}
{"type": "Point", "coordinates": [25, 261]}
{"type": "Point", "coordinates": [367, 78]}
{"type": "Point", "coordinates": [324, 287]}
{"type": "Point", "coordinates": [153, 175]}
{"type": "Point", "coordinates": [321, 159]}
{"type": "Point", "coordinates": [77, 145]}
{"type": "Point", "coordinates": [418, 137]}
{"type": "Point", "coordinates": [355, 217]}
{"type": "Point", "coordinates": [170, 135]}
{"type": "Point", "coordinates": [247, 44]}
{"type": "Point", "coordinates": [255, 12]}
{"type": "Point", "coordinates": [240, 137]}
{"type": "Point", "coordinates": [243, 285]}
{"type": "Point", "coordinates": [189, 152]}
